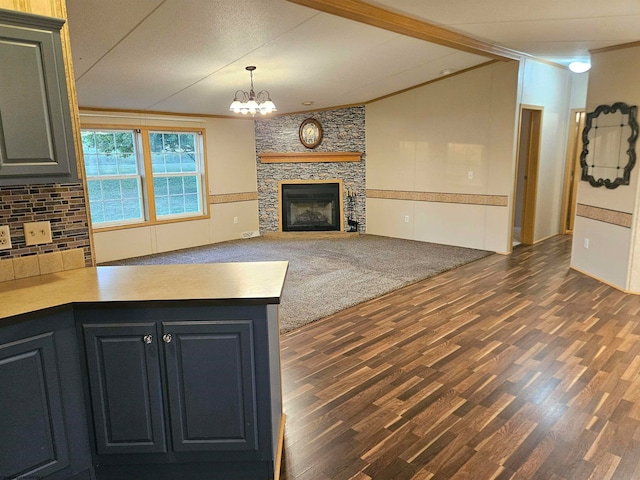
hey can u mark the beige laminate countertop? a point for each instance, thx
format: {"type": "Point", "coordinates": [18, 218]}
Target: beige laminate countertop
{"type": "Point", "coordinates": [257, 282]}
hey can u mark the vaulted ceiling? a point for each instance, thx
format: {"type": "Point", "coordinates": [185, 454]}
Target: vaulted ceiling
{"type": "Point", "coordinates": [189, 56]}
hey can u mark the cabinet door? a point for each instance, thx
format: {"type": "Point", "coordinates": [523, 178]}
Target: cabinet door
{"type": "Point", "coordinates": [33, 440]}
{"type": "Point", "coordinates": [124, 380]}
{"type": "Point", "coordinates": [211, 385]}
{"type": "Point", "coordinates": [36, 140]}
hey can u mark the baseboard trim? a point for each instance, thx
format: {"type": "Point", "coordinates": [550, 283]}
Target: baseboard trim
{"type": "Point", "coordinates": [630, 292]}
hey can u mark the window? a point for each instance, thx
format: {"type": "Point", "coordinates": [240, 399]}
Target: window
{"type": "Point", "coordinates": [176, 182]}
{"type": "Point", "coordinates": [114, 182]}
{"type": "Point", "coordinates": [125, 186]}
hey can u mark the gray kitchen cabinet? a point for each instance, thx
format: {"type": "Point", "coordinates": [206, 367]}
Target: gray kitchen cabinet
{"type": "Point", "coordinates": [211, 385]}
{"type": "Point", "coordinates": [124, 380]}
{"type": "Point", "coordinates": [36, 136]}
{"type": "Point", "coordinates": [103, 378]}
{"type": "Point", "coordinates": [42, 419]}
{"type": "Point", "coordinates": [192, 390]}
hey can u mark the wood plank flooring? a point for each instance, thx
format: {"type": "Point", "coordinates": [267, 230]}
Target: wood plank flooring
{"type": "Point", "coordinates": [511, 367]}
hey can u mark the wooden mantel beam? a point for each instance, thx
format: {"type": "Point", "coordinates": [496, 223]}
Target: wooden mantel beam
{"type": "Point", "coordinates": [395, 22]}
{"type": "Point", "coordinates": [311, 157]}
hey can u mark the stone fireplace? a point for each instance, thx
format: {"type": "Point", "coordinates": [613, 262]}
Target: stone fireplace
{"type": "Point", "coordinates": [282, 159]}
{"type": "Point", "coordinates": [311, 206]}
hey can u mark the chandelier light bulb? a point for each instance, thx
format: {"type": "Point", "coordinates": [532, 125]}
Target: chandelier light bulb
{"type": "Point", "coordinates": [236, 106]}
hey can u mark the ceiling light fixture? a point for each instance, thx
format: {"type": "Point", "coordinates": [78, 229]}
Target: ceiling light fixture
{"type": "Point", "coordinates": [580, 67]}
{"type": "Point", "coordinates": [249, 102]}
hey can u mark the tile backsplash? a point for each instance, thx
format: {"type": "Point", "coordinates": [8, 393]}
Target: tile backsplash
{"type": "Point", "coordinates": [63, 205]}
{"type": "Point", "coordinates": [41, 264]}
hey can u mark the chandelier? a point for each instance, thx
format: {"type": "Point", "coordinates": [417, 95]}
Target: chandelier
{"type": "Point", "coordinates": [250, 102]}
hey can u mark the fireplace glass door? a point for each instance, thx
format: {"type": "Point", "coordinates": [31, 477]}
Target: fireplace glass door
{"type": "Point", "coordinates": [310, 207]}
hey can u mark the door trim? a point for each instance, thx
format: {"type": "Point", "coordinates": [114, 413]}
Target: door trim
{"type": "Point", "coordinates": [570, 187]}
{"type": "Point", "coordinates": [527, 234]}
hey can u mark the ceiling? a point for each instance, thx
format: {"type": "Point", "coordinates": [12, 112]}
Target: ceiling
{"type": "Point", "coordinates": [189, 56]}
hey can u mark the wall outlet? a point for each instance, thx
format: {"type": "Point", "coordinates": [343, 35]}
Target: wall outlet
{"type": "Point", "coordinates": [5, 237]}
{"type": "Point", "coordinates": [37, 233]}
{"type": "Point", "coordinates": [585, 243]}
{"type": "Point", "coordinates": [470, 174]}
{"type": "Point", "coordinates": [235, 219]}
{"type": "Point", "coordinates": [406, 219]}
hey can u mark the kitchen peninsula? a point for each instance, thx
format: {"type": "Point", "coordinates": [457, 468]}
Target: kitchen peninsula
{"type": "Point", "coordinates": [162, 371]}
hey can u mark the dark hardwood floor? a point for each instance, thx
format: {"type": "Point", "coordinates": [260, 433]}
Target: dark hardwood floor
{"type": "Point", "coordinates": [509, 367]}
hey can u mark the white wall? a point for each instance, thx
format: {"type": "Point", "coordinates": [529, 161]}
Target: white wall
{"type": "Point", "coordinates": [549, 87]}
{"type": "Point", "coordinates": [231, 152]}
{"type": "Point", "coordinates": [613, 254]}
{"type": "Point", "coordinates": [457, 136]}
{"type": "Point", "coordinates": [579, 85]}
{"type": "Point", "coordinates": [231, 169]}
{"type": "Point", "coordinates": [429, 139]}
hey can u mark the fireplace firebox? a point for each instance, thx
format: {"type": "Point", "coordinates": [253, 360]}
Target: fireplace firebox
{"type": "Point", "coordinates": [310, 207]}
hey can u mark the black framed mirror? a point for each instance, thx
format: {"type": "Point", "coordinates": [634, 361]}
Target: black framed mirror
{"type": "Point", "coordinates": [609, 145]}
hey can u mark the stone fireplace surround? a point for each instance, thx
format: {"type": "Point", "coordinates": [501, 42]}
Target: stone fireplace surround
{"type": "Point", "coordinates": [344, 131]}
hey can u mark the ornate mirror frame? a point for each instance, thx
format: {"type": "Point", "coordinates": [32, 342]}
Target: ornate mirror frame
{"type": "Point", "coordinates": [609, 145]}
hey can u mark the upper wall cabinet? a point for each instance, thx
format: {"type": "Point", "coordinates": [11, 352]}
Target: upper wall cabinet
{"type": "Point", "coordinates": [36, 139]}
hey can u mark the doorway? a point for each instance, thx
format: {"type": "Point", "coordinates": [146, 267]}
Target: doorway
{"type": "Point", "coordinates": [572, 171]}
{"type": "Point", "coordinates": [528, 156]}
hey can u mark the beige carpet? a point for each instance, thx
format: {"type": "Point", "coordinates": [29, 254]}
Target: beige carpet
{"type": "Point", "coordinates": [329, 274]}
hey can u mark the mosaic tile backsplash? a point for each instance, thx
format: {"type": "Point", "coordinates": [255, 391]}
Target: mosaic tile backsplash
{"type": "Point", "coordinates": [62, 204]}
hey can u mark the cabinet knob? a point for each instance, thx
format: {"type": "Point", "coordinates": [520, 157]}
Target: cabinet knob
{"type": "Point", "coordinates": [167, 338]}
{"type": "Point", "coordinates": [148, 339]}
